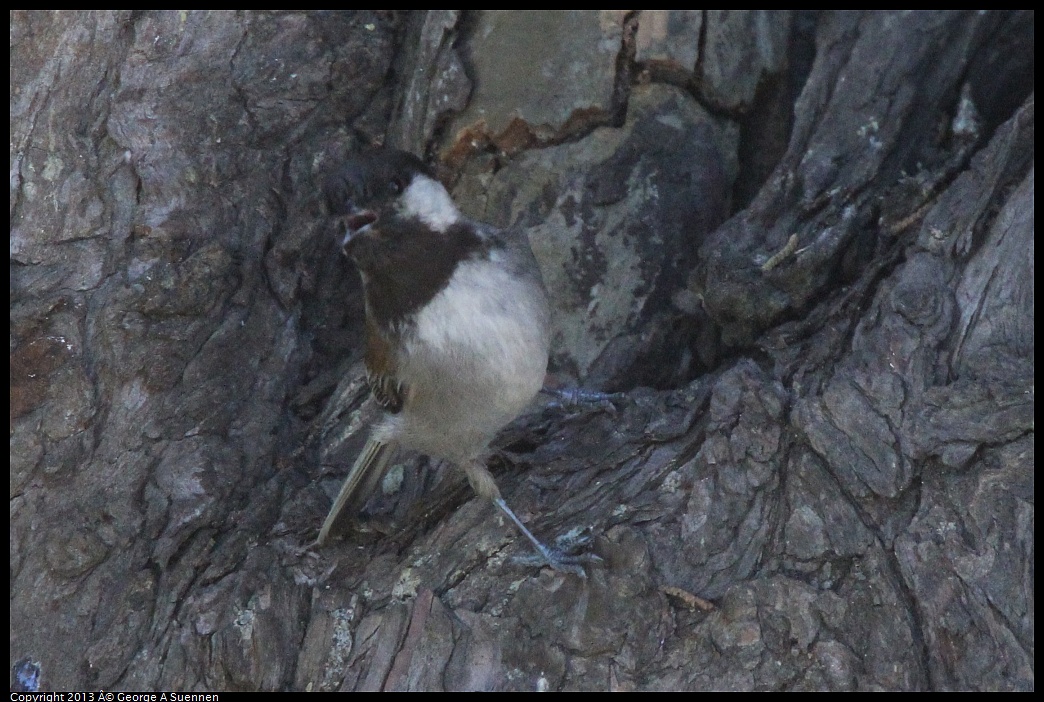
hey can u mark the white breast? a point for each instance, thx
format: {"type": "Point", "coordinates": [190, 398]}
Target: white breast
{"type": "Point", "coordinates": [476, 360]}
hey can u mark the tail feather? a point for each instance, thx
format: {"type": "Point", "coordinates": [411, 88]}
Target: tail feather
{"type": "Point", "coordinates": [359, 485]}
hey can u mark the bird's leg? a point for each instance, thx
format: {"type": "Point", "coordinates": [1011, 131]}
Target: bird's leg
{"type": "Point", "coordinates": [553, 557]}
{"type": "Point", "coordinates": [483, 483]}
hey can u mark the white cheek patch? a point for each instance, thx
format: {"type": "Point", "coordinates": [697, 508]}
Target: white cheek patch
{"type": "Point", "coordinates": [427, 200]}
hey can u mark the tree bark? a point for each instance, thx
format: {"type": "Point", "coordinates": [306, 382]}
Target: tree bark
{"type": "Point", "coordinates": [800, 245]}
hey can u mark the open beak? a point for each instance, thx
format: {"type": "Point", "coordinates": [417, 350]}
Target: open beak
{"type": "Point", "coordinates": [358, 222]}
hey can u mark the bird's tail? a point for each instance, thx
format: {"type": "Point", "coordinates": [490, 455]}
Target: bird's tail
{"type": "Point", "coordinates": [359, 485]}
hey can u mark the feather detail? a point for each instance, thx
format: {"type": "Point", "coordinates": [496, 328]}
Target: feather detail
{"type": "Point", "coordinates": [387, 391]}
{"type": "Point", "coordinates": [360, 483]}
{"type": "Point", "coordinates": [386, 388]}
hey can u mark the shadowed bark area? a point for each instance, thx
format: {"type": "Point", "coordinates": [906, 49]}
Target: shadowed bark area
{"type": "Point", "coordinates": [800, 245]}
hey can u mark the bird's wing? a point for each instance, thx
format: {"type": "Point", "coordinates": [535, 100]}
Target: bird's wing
{"type": "Point", "coordinates": [369, 467]}
{"type": "Point", "coordinates": [359, 485]}
{"type": "Point", "coordinates": [387, 389]}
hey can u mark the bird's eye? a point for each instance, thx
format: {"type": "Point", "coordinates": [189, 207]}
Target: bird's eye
{"type": "Point", "coordinates": [395, 185]}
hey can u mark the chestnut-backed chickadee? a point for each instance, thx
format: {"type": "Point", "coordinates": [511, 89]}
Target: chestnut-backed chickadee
{"type": "Point", "coordinates": [457, 325]}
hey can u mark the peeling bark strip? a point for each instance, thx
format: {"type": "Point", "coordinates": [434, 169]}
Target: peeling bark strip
{"type": "Point", "coordinates": [801, 244]}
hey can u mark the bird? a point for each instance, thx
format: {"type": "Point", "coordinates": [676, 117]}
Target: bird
{"type": "Point", "coordinates": [457, 326]}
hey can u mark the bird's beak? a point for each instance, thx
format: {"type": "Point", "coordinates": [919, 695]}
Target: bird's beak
{"type": "Point", "coordinates": [358, 222]}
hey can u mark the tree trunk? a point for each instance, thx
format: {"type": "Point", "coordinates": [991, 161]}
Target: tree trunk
{"type": "Point", "coordinates": [800, 245]}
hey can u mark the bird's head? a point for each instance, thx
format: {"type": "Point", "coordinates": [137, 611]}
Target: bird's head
{"type": "Point", "coordinates": [401, 229]}
{"type": "Point", "coordinates": [386, 194]}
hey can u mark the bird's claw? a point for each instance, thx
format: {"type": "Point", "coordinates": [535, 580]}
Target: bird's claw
{"type": "Point", "coordinates": [574, 397]}
{"type": "Point", "coordinates": [545, 555]}
{"type": "Point", "coordinates": [559, 561]}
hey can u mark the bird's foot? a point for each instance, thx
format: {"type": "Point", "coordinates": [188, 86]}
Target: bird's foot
{"type": "Point", "coordinates": [545, 555]}
{"type": "Point", "coordinates": [562, 562]}
{"type": "Point", "coordinates": [573, 398]}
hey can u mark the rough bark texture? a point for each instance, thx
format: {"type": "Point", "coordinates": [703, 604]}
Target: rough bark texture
{"type": "Point", "coordinates": [800, 244]}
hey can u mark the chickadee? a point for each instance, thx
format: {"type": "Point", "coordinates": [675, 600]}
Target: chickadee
{"type": "Point", "coordinates": [457, 325]}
